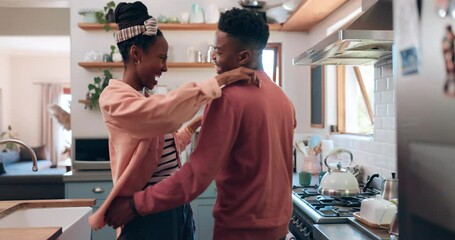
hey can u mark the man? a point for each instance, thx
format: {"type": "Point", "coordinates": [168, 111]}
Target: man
{"type": "Point", "coordinates": [245, 144]}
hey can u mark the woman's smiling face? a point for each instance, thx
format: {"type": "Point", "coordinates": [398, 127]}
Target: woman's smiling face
{"type": "Point", "coordinates": [153, 63]}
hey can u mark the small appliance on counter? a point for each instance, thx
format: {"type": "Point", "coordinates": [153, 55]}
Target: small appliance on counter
{"type": "Point", "coordinates": [90, 154]}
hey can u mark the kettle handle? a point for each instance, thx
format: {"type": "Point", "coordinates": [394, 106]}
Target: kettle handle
{"type": "Point", "coordinates": [370, 179]}
{"type": "Point", "coordinates": [337, 151]}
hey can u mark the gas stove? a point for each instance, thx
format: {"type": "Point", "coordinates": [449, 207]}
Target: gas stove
{"type": "Point", "coordinates": [311, 208]}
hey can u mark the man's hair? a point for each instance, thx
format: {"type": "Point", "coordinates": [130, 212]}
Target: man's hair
{"type": "Point", "coordinates": [246, 26]}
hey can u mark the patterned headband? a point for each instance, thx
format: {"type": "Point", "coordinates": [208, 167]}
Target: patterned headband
{"type": "Point", "coordinates": [149, 28]}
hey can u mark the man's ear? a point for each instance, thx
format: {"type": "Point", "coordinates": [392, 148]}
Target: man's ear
{"type": "Point", "coordinates": [135, 54]}
{"type": "Point", "coordinates": [245, 57]}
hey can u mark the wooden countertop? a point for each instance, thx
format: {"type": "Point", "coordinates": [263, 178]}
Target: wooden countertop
{"type": "Point", "coordinates": [48, 233]}
{"type": "Point", "coordinates": [39, 233]}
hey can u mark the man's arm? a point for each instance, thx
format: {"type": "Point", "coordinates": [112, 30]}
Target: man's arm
{"type": "Point", "coordinates": [215, 141]}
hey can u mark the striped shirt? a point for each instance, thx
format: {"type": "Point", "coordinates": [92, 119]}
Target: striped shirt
{"type": "Point", "coordinates": [168, 163]}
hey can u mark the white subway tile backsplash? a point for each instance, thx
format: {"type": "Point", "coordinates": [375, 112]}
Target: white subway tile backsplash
{"type": "Point", "coordinates": [388, 97]}
{"type": "Point", "coordinates": [387, 70]}
{"type": "Point", "coordinates": [392, 136]}
{"type": "Point", "coordinates": [381, 85]}
{"type": "Point", "coordinates": [377, 72]}
{"type": "Point", "coordinates": [380, 161]}
{"type": "Point", "coordinates": [380, 135]}
{"type": "Point", "coordinates": [390, 83]}
{"type": "Point", "coordinates": [362, 145]}
{"type": "Point", "coordinates": [388, 150]}
{"type": "Point", "coordinates": [377, 97]}
{"type": "Point", "coordinates": [376, 147]}
{"type": "Point", "coordinates": [392, 164]}
{"type": "Point", "coordinates": [380, 110]}
{"type": "Point", "coordinates": [392, 110]}
{"type": "Point", "coordinates": [387, 123]}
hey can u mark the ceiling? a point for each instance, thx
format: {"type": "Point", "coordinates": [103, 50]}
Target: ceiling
{"type": "Point", "coordinates": [33, 44]}
{"type": "Point", "coordinates": [35, 3]}
{"type": "Point", "coordinates": [29, 37]}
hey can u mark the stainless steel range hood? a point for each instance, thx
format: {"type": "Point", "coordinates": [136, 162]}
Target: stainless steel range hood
{"type": "Point", "coordinates": [361, 42]}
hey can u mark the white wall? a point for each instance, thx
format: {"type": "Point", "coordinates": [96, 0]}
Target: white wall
{"type": "Point", "coordinates": [25, 99]}
{"type": "Point", "coordinates": [5, 85]}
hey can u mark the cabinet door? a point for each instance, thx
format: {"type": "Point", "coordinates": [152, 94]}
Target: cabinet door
{"type": "Point", "coordinates": [105, 233]}
{"type": "Point", "coordinates": [203, 217]}
{"type": "Point", "coordinates": [93, 189]}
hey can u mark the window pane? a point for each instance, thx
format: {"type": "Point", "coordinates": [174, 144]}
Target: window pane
{"type": "Point", "coordinates": [268, 61]}
{"type": "Point", "coordinates": [357, 116]}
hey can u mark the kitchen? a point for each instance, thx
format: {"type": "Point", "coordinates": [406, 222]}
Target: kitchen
{"type": "Point", "coordinates": [377, 154]}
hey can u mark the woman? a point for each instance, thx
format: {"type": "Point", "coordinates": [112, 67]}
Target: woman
{"type": "Point", "coordinates": [139, 124]}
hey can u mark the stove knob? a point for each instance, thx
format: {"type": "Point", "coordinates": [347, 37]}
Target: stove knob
{"type": "Point", "coordinates": [300, 228]}
{"type": "Point", "coordinates": [296, 221]}
{"type": "Point", "coordinates": [306, 232]}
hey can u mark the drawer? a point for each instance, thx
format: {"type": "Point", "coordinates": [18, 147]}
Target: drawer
{"type": "Point", "coordinates": [96, 190]}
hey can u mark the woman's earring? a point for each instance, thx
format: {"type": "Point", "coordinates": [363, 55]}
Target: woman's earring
{"type": "Point", "coordinates": [137, 62]}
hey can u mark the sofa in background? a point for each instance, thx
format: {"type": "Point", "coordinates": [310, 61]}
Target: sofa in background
{"type": "Point", "coordinates": [19, 182]}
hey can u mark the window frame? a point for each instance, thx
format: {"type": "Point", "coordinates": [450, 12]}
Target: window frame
{"type": "Point", "coordinates": [277, 71]}
{"type": "Point", "coordinates": [341, 98]}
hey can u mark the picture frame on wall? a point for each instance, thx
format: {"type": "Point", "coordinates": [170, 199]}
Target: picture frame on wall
{"type": "Point", "coordinates": [317, 96]}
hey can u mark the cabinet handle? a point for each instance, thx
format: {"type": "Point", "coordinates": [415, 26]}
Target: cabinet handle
{"type": "Point", "coordinates": [98, 190]}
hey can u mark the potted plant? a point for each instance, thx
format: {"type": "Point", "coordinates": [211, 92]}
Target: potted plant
{"type": "Point", "coordinates": [95, 88]}
{"type": "Point", "coordinates": [10, 135]}
{"type": "Point", "coordinates": [116, 56]}
{"type": "Point", "coordinates": [89, 15]}
{"type": "Point", "coordinates": [107, 16]}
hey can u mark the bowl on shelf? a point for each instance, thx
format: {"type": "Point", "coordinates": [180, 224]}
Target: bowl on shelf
{"type": "Point", "coordinates": [252, 4]}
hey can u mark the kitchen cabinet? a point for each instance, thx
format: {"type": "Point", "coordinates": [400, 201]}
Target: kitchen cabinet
{"type": "Point", "coordinates": [90, 184]}
{"type": "Point", "coordinates": [203, 213]}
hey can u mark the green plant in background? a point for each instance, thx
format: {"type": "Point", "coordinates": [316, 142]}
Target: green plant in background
{"type": "Point", "coordinates": [89, 15]}
{"type": "Point", "coordinates": [10, 135]}
{"type": "Point", "coordinates": [112, 51]}
{"type": "Point", "coordinates": [95, 88]}
{"type": "Point", "coordinates": [107, 16]}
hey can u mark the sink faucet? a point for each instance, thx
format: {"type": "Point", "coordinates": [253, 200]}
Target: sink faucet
{"type": "Point", "coordinates": [29, 149]}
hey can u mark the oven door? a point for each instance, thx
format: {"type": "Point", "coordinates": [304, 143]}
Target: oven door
{"type": "Point", "coordinates": [300, 225]}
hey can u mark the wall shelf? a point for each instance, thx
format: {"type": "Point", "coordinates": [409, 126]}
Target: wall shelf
{"type": "Point", "coordinates": [89, 65]}
{"type": "Point", "coordinates": [169, 26]}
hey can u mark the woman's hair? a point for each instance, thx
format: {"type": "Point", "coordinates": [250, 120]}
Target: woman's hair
{"type": "Point", "coordinates": [132, 14]}
{"type": "Point", "coordinates": [245, 26]}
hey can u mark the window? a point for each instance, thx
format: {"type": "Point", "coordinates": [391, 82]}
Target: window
{"type": "Point", "coordinates": [65, 103]}
{"type": "Point", "coordinates": [271, 60]}
{"type": "Point", "coordinates": [355, 89]}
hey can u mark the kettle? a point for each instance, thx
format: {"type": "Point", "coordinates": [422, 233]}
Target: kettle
{"type": "Point", "coordinates": [390, 188]}
{"type": "Point", "coordinates": [338, 182]}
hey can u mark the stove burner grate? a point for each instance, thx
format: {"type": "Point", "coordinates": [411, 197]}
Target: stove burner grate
{"type": "Point", "coordinates": [340, 201]}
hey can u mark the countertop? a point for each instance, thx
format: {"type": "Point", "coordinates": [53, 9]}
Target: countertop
{"type": "Point", "coordinates": [8, 207]}
{"type": "Point", "coordinates": [354, 229]}
{"type": "Point", "coordinates": [87, 175]}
